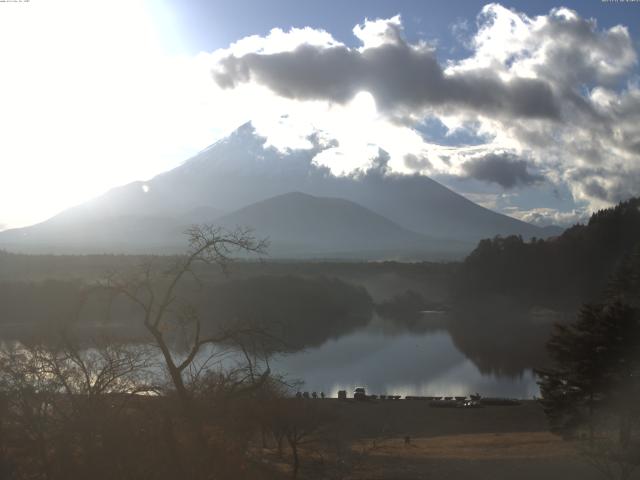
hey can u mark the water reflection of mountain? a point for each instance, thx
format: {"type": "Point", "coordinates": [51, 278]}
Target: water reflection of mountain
{"type": "Point", "coordinates": [498, 341]}
{"type": "Point", "coordinates": [388, 358]}
{"type": "Point", "coordinates": [498, 336]}
{"type": "Point", "coordinates": [307, 305]}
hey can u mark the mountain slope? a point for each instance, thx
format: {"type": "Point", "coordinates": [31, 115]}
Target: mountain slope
{"type": "Point", "coordinates": [299, 224]}
{"type": "Point", "coordinates": [110, 234]}
{"type": "Point", "coordinates": [238, 171]}
{"type": "Point", "coordinates": [82, 230]}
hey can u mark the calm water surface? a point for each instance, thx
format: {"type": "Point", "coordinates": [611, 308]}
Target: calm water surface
{"type": "Point", "coordinates": [388, 359]}
{"type": "Point", "coordinates": [397, 362]}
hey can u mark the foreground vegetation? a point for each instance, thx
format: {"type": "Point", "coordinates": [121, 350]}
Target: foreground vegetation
{"type": "Point", "coordinates": [182, 386]}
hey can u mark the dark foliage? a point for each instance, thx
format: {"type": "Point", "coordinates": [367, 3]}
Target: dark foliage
{"type": "Point", "coordinates": [597, 367]}
{"type": "Point", "coordinates": [561, 272]}
{"type": "Point", "coordinates": [299, 311]}
{"type": "Point", "coordinates": [591, 390]}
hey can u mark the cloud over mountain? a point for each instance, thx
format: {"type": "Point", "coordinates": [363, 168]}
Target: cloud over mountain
{"type": "Point", "coordinates": [504, 169]}
{"type": "Point", "coordinates": [555, 89]}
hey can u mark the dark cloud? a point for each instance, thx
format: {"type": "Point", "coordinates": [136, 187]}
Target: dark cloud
{"type": "Point", "coordinates": [595, 189]}
{"type": "Point", "coordinates": [504, 169]}
{"type": "Point", "coordinates": [404, 79]}
{"type": "Point", "coordinates": [416, 163]}
{"type": "Point", "coordinates": [379, 164]}
{"type": "Point", "coordinates": [604, 185]}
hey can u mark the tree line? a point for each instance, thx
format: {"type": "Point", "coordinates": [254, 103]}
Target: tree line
{"type": "Point", "coordinates": [560, 272]}
{"type": "Point", "coordinates": [302, 311]}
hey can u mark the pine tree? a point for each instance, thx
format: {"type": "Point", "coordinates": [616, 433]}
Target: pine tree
{"type": "Point", "coordinates": [593, 386]}
{"type": "Point", "coordinates": [597, 369]}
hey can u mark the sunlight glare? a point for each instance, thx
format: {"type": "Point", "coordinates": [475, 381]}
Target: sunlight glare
{"type": "Point", "coordinates": [364, 105]}
{"type": "Point", "coordinates": [91, 107]}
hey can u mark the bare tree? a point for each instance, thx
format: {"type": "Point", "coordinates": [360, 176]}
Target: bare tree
{"type": "Point", "coordinates": [155, 293]}
{"type": "Point", "coordinates": [162, 299]}
{"type": "Point", "coordinates": [299, 422]}
{"type": "Point", "coordinates": [63, 399]}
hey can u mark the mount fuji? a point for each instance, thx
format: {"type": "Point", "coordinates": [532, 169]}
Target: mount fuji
{"type": "Point", "coordinates": [304, 209]}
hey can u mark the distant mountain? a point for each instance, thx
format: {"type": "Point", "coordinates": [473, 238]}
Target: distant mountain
{"type": "Point", "coordinates": [239, 171]}
{"type": "Point", "coordinates": [77, 230]}
{"type": "Point", "coordinates": [301, 225]}
{"type": "Point", "coordinates": [297, 225]}
{"type": "Point", "coordinates": [109, 234]}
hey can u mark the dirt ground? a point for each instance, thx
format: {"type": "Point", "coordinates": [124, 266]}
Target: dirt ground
{"type": "Point", "coordinates": [536, 455]}
{"type": "Point", "coordinates": [492, 443]}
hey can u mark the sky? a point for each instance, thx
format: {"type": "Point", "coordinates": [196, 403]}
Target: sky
{"type": "Point", "coordinates": [529, 108]}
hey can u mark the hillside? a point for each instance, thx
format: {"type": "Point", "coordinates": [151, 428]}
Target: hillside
{"type": "Point", "coordinates": [298, 224]}
{"type": "Point", "coordinates": [561, 272]}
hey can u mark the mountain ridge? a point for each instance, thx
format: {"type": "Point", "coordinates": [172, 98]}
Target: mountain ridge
{"type": "Point", "coordinates": [240, 170]}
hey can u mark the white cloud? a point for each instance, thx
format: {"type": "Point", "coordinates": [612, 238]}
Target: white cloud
{"type": "Point", "coordinates": [523, 89]}
{"type": "Point", "coordinates": [87, 109]}
{"type": "Point", "coordinates": [549, 216]}
{"type": "Point", "coordinates": [375, 33]}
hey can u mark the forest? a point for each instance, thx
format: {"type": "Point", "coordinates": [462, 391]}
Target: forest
{"type": "Point", "coordinates": [560, 272]}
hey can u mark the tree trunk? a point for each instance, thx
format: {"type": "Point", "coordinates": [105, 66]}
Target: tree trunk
{"type": "Point", "coordinates": [293, 443]}
{"type": "Point", "coordinates": [174, 372]}
{"type": "Point", "coordinates": [187, 406]}
{"type": "Point", "coordinates": [296, 459]}
{"type": "Point", "coordinates": [44, 457]}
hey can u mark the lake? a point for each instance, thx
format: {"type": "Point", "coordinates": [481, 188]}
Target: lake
{"type": "Point", "coordinates": [418, 358]}
{"type": "Point", "coordinates": [388, 360]}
